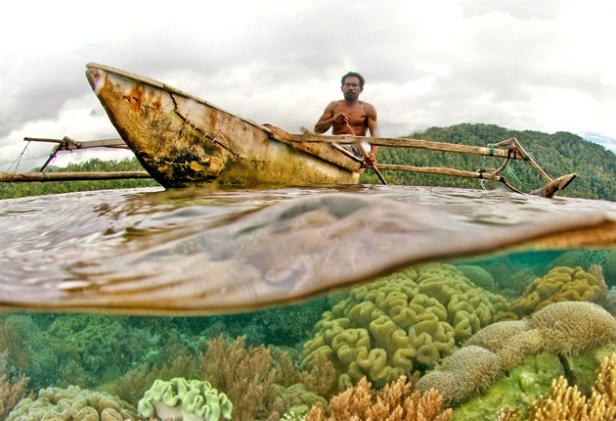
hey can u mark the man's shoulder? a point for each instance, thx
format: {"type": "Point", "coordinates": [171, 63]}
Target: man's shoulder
{"type": "Point", "coordinates": [367, 106]}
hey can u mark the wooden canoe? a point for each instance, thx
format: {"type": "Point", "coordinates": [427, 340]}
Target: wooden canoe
{"type": "Point", "coordinates": [183, 140]}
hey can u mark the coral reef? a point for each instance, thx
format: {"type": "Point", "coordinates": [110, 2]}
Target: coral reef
{"type": "Point", "coordinates": [406, 322]}
{"type": "Point", "coordinates": [178, 398]}
{"type": "Point", "coordinates": [73, 404]}
{"type": "Point", "coordinates": [395, 402]}
{"type": "Point", "coordinates": [562, 283]}
{"type": "Point", "coordinates": [565, 328]}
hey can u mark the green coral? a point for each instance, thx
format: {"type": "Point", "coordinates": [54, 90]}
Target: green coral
{"type": "Point", "coordinates": [562, 283]}
{"type": "Point", "coordinates": [402, 323]}
{"type": "Point", "coordinates": [72, 404]}
{"type": "Point", "coordinates": [179, 398]}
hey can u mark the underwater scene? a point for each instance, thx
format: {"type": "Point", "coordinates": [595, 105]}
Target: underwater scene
{"type": "Point", "coordinates": [298, 304]}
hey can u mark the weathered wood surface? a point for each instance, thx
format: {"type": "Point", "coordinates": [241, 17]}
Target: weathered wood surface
{"type": "Point", "coordinates": [19, 177]}
{"type": "Point", "coordinates": [182, 140]}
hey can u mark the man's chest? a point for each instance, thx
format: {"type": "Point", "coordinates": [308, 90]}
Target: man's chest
{"type": "Point", "coordinates": [357, 113]}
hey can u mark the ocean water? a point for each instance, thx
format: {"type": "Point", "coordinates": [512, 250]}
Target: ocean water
{"type": "Point", "coordinates": [282, 298]}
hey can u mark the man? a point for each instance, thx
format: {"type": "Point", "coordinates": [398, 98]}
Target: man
{"type": "Point", "coordinates": [350, 115]}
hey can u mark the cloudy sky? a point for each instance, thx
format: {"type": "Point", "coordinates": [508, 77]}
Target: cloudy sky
{"type": "Point", "coordinates": [541, 65]}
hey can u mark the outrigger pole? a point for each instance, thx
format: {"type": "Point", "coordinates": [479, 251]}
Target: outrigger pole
{"type": "Point", "coordinates": [68, 144]}
{"type": "Point", "coordinates": [508, 149]}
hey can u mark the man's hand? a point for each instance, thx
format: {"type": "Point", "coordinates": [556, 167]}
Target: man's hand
{"type": "Point", "coordinates": [341, 118]}
{"type": "Point", "coordinates": [370, 159]}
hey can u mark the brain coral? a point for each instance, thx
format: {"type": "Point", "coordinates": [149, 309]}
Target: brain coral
{"type": "Point", "coordinates": [73, 404]}
{"type": "Point", "coordinates": [562, 283]}
{"type": "Point", "coordinates": [402, 323]}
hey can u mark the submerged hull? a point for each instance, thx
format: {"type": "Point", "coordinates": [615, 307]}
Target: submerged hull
{"type": "Point", "coordinates": [182, 140]}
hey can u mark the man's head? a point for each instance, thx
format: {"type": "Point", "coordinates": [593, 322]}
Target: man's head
{"type": "Point", "coordinates": [352, 86]}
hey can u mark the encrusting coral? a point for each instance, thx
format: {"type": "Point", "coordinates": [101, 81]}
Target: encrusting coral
{"type": "Point", "coordinates": [564, 328]}
{"type": "Point", "coordinates": [395, 402]}
{"type": "Point", "coordinates": [73, 404]}
{"type": "Point", "coordinates": [178, 398]}
{"type": "Point", "coordinates": [562, 283]}
{"type": "Point", "coordinates": [400, 324]}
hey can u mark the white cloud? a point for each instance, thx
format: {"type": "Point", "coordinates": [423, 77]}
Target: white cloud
{"type": "Point", "coordinates": [520, 64]}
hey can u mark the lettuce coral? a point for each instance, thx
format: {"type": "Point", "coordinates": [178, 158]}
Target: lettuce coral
{"type": "Point", "coordinates": [562, 283]}
{"type": "Point", "coordinates": [181, 399]}
{"type": "Point", "coordinates": [406, 322]}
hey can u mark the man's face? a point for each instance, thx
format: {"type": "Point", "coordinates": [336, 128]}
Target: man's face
{"type": "Point", "coordinates": [351, 88]}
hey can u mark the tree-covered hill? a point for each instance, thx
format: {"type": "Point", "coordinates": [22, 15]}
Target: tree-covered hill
{"type": "Point", "coordinates": [559, 153]}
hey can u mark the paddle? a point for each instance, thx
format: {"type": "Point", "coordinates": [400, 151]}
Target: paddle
{"type": "Point", "coordinates": [360, 146]}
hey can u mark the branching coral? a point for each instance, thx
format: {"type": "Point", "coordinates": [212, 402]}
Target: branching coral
{"type": "Point", "coordinates": [395, 402]}
{"type": "Point", "coordinates": [400, 324]}
{"type": "Point", "coordinates": [567, 403]}
{"type": "Point", "coordinates": [248, 376]}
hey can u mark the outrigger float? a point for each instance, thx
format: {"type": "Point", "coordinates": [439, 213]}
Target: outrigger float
{"type": "Point", "coordinates": [182, 140]}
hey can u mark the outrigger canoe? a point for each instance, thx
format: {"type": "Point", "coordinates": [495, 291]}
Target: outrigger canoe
{"type": "Point", "coordinates": [183, 140]}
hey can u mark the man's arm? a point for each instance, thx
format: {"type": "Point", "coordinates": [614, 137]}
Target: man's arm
{"type": "Point", "coordinates": [327, 119]}
{"type": "Point", "coordinates": [373, 127]}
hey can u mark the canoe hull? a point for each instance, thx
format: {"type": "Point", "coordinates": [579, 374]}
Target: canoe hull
{"type": "Point", "coordinates": [182, 140]}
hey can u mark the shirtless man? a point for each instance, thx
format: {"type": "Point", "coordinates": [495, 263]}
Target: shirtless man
{"type": "Point", "coordinates": [350, 115]}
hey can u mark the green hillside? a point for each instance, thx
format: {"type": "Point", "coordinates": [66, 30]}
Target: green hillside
{"type": "Point", "coordinates": [559, 153]}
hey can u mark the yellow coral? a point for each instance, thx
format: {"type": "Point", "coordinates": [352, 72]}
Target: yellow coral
{"type": "Point", "coordinates": [405, 322]}
{"type": "Point", "coordinates": [567, 403]}
{"type": "Point", "coordinates": [562, 283]}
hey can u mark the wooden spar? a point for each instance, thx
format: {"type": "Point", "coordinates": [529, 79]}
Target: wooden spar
{"type": "Point", "coordinates": [442, 171]}
{"type": "Point", "coordinates": [70, 176]}
{"type": "Point", "coordinates": [408, 143]}
{"type": "Point", "coordinates": [68, 144]}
